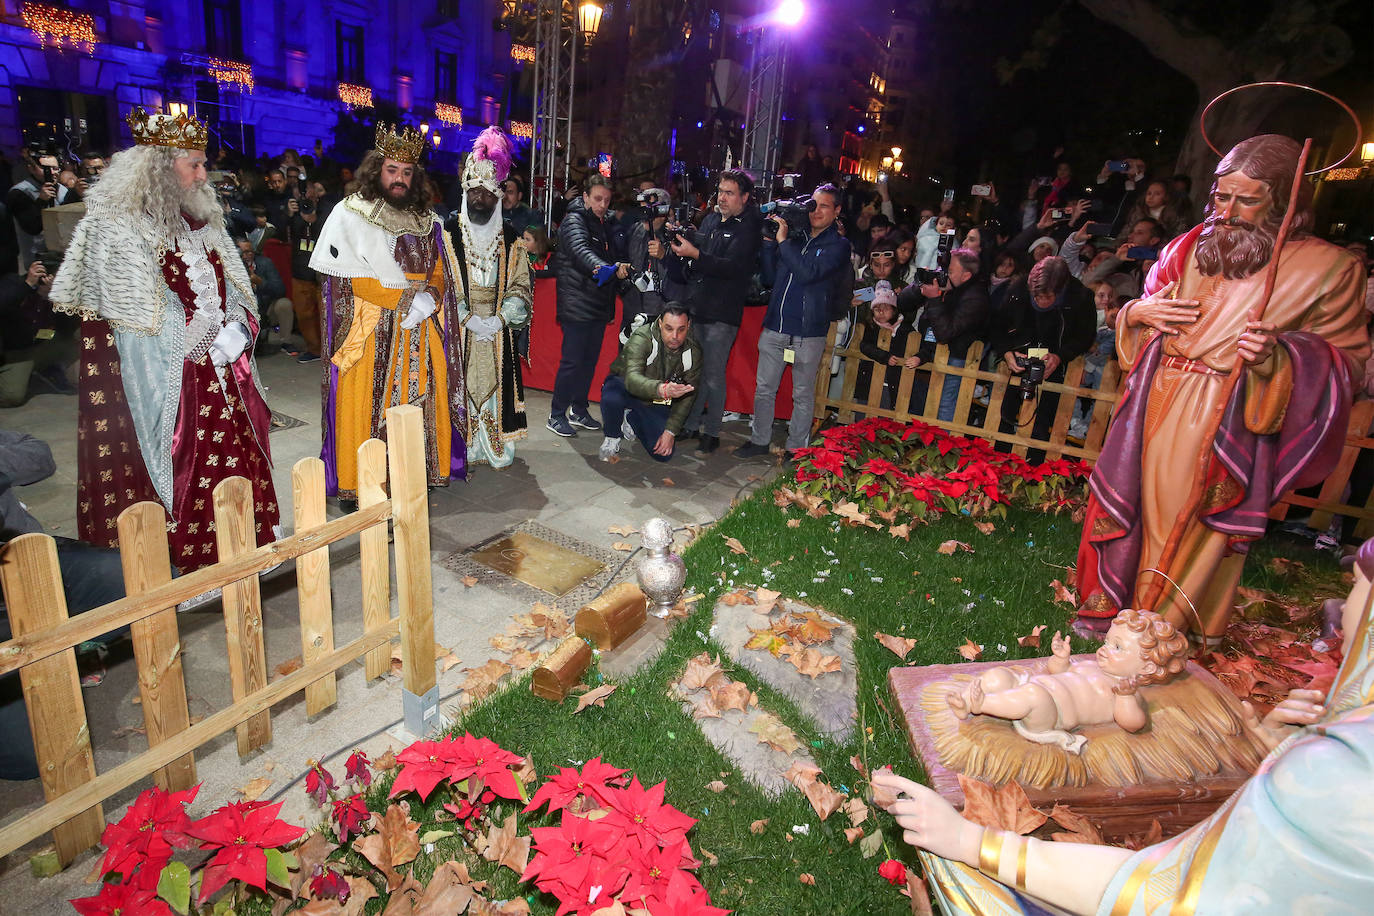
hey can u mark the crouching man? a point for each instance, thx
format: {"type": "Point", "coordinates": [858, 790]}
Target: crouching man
{"type": "Point", "coordinates": [651, 387]}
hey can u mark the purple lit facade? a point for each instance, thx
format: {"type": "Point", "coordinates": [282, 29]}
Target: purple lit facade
{"type": "Point", "coordinates": [157, 53]}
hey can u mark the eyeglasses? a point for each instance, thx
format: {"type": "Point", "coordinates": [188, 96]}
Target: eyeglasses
{"type": "Point", "coordinates": [882, 255]}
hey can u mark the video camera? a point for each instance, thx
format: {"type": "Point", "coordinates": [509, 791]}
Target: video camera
{"type": "Point", "coordinates": [794, 212]}
{"type": "Point", "coordinates": [1032, 377]}
{"type": "Point", "coordinates": [937, 275]}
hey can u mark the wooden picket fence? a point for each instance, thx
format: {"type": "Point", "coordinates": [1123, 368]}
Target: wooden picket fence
{"type": "Point", "coordinates": [42, 650]}
{"type": "Point", "coordinates": [1330, 501]}
{"type": "Point", "coordinates": [1000, 385]}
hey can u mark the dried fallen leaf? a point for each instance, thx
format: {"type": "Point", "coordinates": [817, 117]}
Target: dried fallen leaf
{"type": "Point", "coordinates": [734, 545]}
{"type": "Point", "coordinates": [360, 891]}
{"type": "Point", "coordinates": [948, 547]}
{"type": "Point", "coordinates": [554, 621]}
{"type": "Point", "coordinates": [253, 789]}
{"type": "Point", "coordinates": [858, 765]}
{"type": "Point", "coordinates": [759, 826]}
{"type": "Point", "coordinates": [386, 762]}
{"type": "Point", "coordinates": [503, 643]}
{"type": "Point", "coordinates": [482, 681]}
{"type": "Point", "coordinates": [668, 482]}
{"type": "Point", "coordinates": [469, 581]}
{"type": "Point", "coordinates": [595, 697]}
{"type": "Point", "coordinates": [623, 545]}
{"type": "Point", "coordinates": [1001, 808]}
{"type": "Point", "coordinates": [794, 523]}
{"type": "Point", "coordinates": [971, 650]}
{"type": "Point", "coordinates": [731, 695]}
{"type": "Point", "coordinates": [288, 666]}
{"type": "Point", "coordinates": [853, 833]}
{"type": "Point", "coordinates": [1033, 639]}
{"type": "Point", "coordinates": [504, 847]}
{"type": "Point", "coordinates": [622, 529]}
{"type": "Point", "coordinates": [313, 852]}
{"type": "Point", "coordinates": [702, 671]}
{"type": "Point", "coordinates": [775, 734]}
{"type": "Point", "coordinates": [736, 597]}
{"type": "Point", "coordinates": [768, 640]}
{"type": "Point", "coordinates": [870, 844]}
{"type": "Point", "coordinates": [812, 663]}
{"type": "Point", "coordinates": [813, 629]}
{"type": "Point", "coordinates": [825, 800]}
{"type": "Point", "coordinates": [1064, 594]}
{"type": "Point", "coordinates": [522, 658]}
{"type": "Point", "coordinates": [1080, 829]}
{"type": "Point", "coordinates": [765, 598]}
{"type": "Point", "coordinates": [711, 858]}
{"type": "Point", "coordinates": [448, 660]}
{"type": "Point", "coordinates": [807, 878]}
{"type": "Point", "coordinates": [985, 527]}
{"type": "Point", "coordinates": [449, 891]}
{"type": "Point", "coordinates": [395, 842]}
{"type": "Point", "coordinates": [716, 786]}
{"type": "Point", "coordinates": [902, 531]}
{"type": "Point", "coordinates": [857, 811]}
{"type": "Point", "coordinates": [898, 645]}
{"type": "Point", "coordinates": [801, 774]}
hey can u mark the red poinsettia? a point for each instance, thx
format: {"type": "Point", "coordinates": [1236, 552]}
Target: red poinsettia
{"type": "Point", "coordinates": [318, 783]}
{"type": "Point", "coordinates": [326, 883]}
{"type": "Point", "coordinates": [652, 866]}
{"type": "Point", "coordinates": [241, 831]}
{"type": "Point", "coordinates": [145, 835]}
{"type": "Point", "coordinates": [592, 781]}
{"type": "Point", "coordinates": [894, 872]}
{"type": "Point", "coordinates": [350, 816]}
{"type": "Point", "coordinates": [486, 760]}
{"type": "Point", "coordinates": [642, 814]}
{"type": "Point", "coordinates": [681, 898]}
{"type": "Point", "coordinates": [828, 460]}
{"type": "Point", "coordinates": [122, 900]}
{"type": "Point", "coordinates": [425, 764]}
{"type": "Point", "coordinates": [358, 768]}
{"type": "Point", "coordinates": [564, 854]}
{"type": "Point", "coordinates": [880, 466]}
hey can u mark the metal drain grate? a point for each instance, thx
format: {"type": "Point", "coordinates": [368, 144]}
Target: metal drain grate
{"type": "Point", "coordinates": [465, 563]}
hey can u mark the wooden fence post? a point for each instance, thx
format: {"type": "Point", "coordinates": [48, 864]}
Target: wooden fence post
{"type": "Point", "coordinates": [32, 581]}
{"type": "Point", "coordinates": [157, 644]}
{"type": "Point", "coordinates": [234, 535]}
{"type": "Point", "coordinates": [312, 583]}
{"type": "Point", "coordinates": [410, 512]}
{"type": "Point", "coordinates": [375, 558]}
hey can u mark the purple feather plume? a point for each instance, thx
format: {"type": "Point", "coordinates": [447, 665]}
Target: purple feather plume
{"type": "Point", "coordinates": [493, 144]}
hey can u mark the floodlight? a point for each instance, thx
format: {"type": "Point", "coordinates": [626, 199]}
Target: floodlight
{"type": "Point", "coordinates": [789, 12]}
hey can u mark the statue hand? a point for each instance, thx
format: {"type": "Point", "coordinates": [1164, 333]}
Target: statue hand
{"type": "Point", "coordinates": [1059, 645]}
{"type": "Point", "coordinates": [1162, 312]}
{"type": "Point", "coordinates": [1126, 687]}
{"type": "Point", "coordinates": [928, 821]}
{"type": "Point", "coordinates": [1302, 707]}
{"type": "Point", "coordinates": [1257, 343]}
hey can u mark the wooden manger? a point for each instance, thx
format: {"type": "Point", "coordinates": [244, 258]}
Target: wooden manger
{"type": "Point", "coordinates": [42, 650]}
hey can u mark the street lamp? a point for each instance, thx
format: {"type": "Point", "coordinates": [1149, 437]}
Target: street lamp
{"type": "Point", "coordinates": [1367, 153]}
{"type": "Point", "coordinates": [887, 162]}
{"type": "Point", "coordinates": [589, 20]}
{"type": "Point", "coordinates": [424, 128]}
{"type": "Point", "coordinates": [897, 165]}
{"type": "Point", "coordinates": [896, 153]}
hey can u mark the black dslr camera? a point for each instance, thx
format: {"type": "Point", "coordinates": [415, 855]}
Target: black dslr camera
{"type": "Point", "coordinates": [794, 212]}
{"type": "Point", "coordinates": [679, 225]}
{"type": "Point", "coordinates": [1032, 377]}
{"type": "Point", "coordinates": [936, 275]}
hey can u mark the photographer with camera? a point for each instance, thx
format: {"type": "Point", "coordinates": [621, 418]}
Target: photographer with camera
{"type": "Point", "coordinates": [1049, 320]}
{"type": "Point", "coordinates": [29, 198]}
{"type": "Point", "coordinates": [812, 282]}
{"type": "Point", "coordinates": [956, 314]}
{"type": "Point", "coordinates": [307, 217]}
{"type": "Point", "coordinates": [644, 295]}
{"type": "Point", "coordinates": [650, 389]}
{"type": "Point", "coordinates": [715, 263]}
{"type": "Point", "coordinates": [34, 344]}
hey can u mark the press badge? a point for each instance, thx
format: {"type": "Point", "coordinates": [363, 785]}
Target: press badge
{"type": "Point", "coordinates": [789, 355]}
{"type": "Point", "coordinates": [307, 245]}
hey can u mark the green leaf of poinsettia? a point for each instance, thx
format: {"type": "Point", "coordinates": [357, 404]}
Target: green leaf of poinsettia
{"type": "Point", "coordinates": [174, 886]}
{"type": "Point", "coordinates": [277, 868]}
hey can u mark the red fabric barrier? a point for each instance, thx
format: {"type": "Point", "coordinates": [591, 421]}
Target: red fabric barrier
{"type": "Point", "coordinates": [546, 344]}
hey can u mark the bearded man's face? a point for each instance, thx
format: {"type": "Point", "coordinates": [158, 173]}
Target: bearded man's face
{"type": "Point", "coordinates": [396, 179]}
{"type": "Point", "coordinates": [481, 203]}
{"type": "Point", "coordinates": [1237, 237]}
{"type": "Point", "coordinates": [190, 169]}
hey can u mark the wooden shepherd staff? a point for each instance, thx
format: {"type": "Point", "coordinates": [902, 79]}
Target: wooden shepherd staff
{"type": "Point", "coordinates": [1166, 558]}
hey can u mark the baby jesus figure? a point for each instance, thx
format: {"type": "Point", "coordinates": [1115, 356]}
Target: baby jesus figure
{"type": "Point", "coordinates": [1141, 648]}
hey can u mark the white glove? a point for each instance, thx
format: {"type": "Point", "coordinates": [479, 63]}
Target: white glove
{"type": "Point", "coordinates": [421, 307]}
{"type": "Point", "coordinates": [484, 329]}
{"type": "Point", "coordinates": [229, 344]}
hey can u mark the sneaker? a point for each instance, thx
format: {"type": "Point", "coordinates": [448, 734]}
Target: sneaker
{"type": "Point", "coordinates": [610, 448]}
{"type": "Point", "coordinates": [583, 420]}
{"type": "Point", "coordinates": [626, 430]}
{"type": "Point", "coordinates": [708, 444]}
{"type": "Point", "coordinates": [731, 416]}
{"type": "Point", "coordinates": [308, 358]}
{"type": "Point", "coordinates": [290, 349]}
{"type": "Point", "coordinates": [751, 450]}
{"type": "Point", "coordinates": [559, 425]}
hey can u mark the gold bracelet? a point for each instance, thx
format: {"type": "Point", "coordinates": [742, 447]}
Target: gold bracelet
{"type": "Point", "coordinates": [990, 852]}
{"type": "Point", "coordinates": [1021, 862]}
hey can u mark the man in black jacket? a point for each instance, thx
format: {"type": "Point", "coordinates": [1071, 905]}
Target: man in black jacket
{"type": "Point", "coordinates": [716, 268]}
{"type": "Point", "coordinates": [955, 314]}
{"type": "Point", "coordinates": [586, 273]}
{"type": "Point", "coordinates": [1050, 317]}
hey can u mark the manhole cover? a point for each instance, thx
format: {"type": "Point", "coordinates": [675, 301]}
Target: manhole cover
{"type": "Point", "coordinates": [536, 561]}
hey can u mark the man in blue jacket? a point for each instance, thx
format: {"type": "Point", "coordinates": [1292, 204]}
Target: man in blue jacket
{"type": "Point", "coordinates": [805, 274]}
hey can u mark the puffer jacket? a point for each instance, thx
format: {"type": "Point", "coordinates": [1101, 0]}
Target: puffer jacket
{"type": "Point", "coordinates": [583, 246]}
{"type": "Point", "coordinates": [644, 362]}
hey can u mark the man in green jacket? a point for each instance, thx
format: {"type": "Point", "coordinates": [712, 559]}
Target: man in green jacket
{"type": "Point", "coordinates": [651, 387]}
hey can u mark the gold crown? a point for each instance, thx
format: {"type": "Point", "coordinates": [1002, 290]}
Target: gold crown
{"type": "Point", "coordinates": [182, 131]}
{"type": "Point", "coordinates": [403, 147]}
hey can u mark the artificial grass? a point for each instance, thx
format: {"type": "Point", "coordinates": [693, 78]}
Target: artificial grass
{"type": "Point", "coordinates": [992, 595]}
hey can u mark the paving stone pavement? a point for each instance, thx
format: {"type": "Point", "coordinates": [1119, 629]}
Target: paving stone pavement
{"type": "Point", "coordinates": [557, 483]}
{"type": "Point", "coordinates": [830, 700]}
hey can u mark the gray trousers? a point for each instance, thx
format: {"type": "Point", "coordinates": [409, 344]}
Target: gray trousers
{"type": "Point", "coordinates": [716, 339]}
{"type": "Point", "coordinates": [808, 352]}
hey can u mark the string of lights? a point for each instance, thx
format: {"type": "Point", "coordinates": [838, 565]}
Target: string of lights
{"type": "Point", "coordinates": [59, 27]}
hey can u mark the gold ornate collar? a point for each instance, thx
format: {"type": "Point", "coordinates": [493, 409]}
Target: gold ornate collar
{"type": "Point", "coordinates": [390, 219]}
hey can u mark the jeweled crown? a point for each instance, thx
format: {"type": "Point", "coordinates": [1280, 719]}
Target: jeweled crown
{"type": "Point", "coordinates": [403, 147]}
{"type": "Point", "coordinates": [182, 131]}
